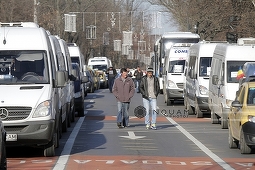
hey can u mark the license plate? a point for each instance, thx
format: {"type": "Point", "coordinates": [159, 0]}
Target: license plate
{"type": "Point", "coordinates": [11, 137]}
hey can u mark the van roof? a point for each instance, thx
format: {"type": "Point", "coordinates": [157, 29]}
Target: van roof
{"type": "Point", "coordinates": [74, 51]}
{"type": "Point", "coordinates": [23, 38]}
{"type": "Point", "coordinates": [180, 35]}
{"type": "Point", "coordinates": [235, 52]}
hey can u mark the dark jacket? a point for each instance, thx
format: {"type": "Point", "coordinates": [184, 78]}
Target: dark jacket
{"type": "Point", "coordinates": [144, 87]}
{"type": "Point", "coordinates": [111, 73]}
{"type": "Point", "coordinates": [123, 91]}
{"type": "Point", "coordinates": [138, 75]}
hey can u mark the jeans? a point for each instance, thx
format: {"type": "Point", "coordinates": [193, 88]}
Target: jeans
{"type": "Point", "coordinates": [151, 109]}
{"type": "Point", "coordinates": [138, 85]}
{"type": "Point", "coordinates": [123, 113]}
{"type": "Point", "coordinates": [110, 83]}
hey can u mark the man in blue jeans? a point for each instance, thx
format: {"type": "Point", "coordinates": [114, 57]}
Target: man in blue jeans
{"type": "Point", "coordinates": [149, 88]}
{"type": "Point", "coordinates": [123, 89]}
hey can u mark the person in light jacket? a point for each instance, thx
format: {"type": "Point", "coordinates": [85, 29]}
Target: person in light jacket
{"type": "Point", "coordinates": [149, 88]}
{"type": "Point", "coordinates": [123, 89]}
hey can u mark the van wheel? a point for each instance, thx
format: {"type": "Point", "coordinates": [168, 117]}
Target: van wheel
{"type": "Point", "coordinates": [214, 118]}
{"type": "Point", "coordinates": [64, 125]}
{"type": "Point", "coordinates": [232, 143]}
{"type": "Point", "coordinates": [187, 106]}
{"type": "Point", "coordinates": [49, 149]}
{"type": "Point", "coordinates": [3, 163]}
{"type": "Point", "coordinates": [198, 112]}
{"type": "Point", "coordinates": [81, 111]}
{"type": "Point", "coordinates": [73, 115]}
{"type": "Point", "coordinates": [244, 148]}
{"type": "Point", "coordinates": [165, 97]}
{"type": "Point", "coordinates": [224, 120]}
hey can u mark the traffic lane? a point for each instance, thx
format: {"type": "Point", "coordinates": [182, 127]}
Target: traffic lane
{"type": "Point", "coordinates": [112, 148]}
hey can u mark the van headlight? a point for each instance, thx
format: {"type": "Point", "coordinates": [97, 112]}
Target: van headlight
{"type": "Point", "coordinates": [251, 118]}
{"type": "Point", "coordinates": [171, 84]}
{"type": "Point", "coordinates": [203, 90]}
{"type": "Point", "coordinates": [43, 109]}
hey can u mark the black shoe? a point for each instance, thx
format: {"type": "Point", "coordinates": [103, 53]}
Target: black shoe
{"type": "Point", "coordinates": [119, 125]}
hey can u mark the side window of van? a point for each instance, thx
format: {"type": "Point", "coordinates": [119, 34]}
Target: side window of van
{"type": "Point", "coordinates": [222, 73]}
{"type": "Point", "coordinates": [192, 64]}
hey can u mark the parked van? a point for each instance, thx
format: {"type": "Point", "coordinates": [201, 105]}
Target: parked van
{"type": "Point", "coordinates": [59, 63]}
{"type": "Point", "coordinates": [227, 60]}
{"type": "Point", "coordinates": [173, 72]}
{"type": "Point", "coordinates": [70, 111]}
{"type": "Point", "coordinates": [197, 78]}
{"type": "Point", "coordinates": [29, 86]}
{"type": "Point", "coordinates": [77, 57]}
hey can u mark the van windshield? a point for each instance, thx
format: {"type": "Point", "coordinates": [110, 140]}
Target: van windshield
{"type": "Point", "coordinates": [232, 69]}
{"type": "Point", "coordinates": [99, 67]}
{"type": "Point", "coordinates": [23, 67]}
{"type": "Point", "coordinates": [205, 66]}
{"type": "Point", "coordinates": [176, 66]}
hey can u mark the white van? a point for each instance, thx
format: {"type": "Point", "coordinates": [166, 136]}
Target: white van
{"type": "Point", "coordinates": [70, 109]}
{"type": "Point", "coordinates": [29, 86]}
{"type": "Point", "coordinates": [173, 72]}
{"type": "Point", "coordinates": [99, 63]}
{"type": "Point", "coordinates": [77, 57]}
{"type": "Point", "coordinates": [223, 82]}
{"type": "Point", "coordinates": [197, 78]}
{"type": "Point", "coordinates": [59, 63]}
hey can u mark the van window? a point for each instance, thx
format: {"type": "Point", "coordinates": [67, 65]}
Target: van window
{"type": "Point", "coordinates": [99, 67]}
{"type": "Point", "coordinates": [251, 96]}
{"type": "Point", "coordinates": [23, 67]}
{"type": "Point", "coordinates": [176, 66]}
{"type": "Point", "coordinates": [75, 60]}
{"type": "Point", "coordinates": [232, 69]}
{"type": "Point", "coordinates": [205, 66]}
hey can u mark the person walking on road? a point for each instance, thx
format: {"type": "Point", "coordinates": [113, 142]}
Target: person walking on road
{"type": "Point", "coordinates": [111, 73]}
{"type": "Point", "coordinates": [138, 76]}
{"type": "Point", "coordinates": [149, 88]}
{"type": "Point", "coordinates": [123, 89]}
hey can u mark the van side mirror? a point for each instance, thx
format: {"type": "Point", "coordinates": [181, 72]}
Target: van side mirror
{"type": "Point", "coordinates": [155, 48]}
{"type": "Point", "coordinates": [215, 79]}
{"type": "Point", "coordinates": [60, 79]}
{"type": "Point", "coordinates": [236, 103]}
{"type": "Point", "coordinates": [84, 79]}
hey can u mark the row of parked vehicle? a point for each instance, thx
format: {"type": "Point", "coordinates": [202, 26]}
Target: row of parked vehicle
{"type": "Point", "coordinates": [42, 85]}
{"type": "Point", "coordinates": [211, 85]}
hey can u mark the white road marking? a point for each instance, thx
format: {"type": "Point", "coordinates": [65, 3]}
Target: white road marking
{"type": "Point", "coordinates": [62, 160]}
{"type": "Point", "coordinates": [207, 151]}
{"type": "Point", "coordinates": [131, 135]}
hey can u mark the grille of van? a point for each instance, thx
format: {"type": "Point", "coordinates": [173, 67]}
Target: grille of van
{"type": "Point", "coordinates": [179, 85]}
{"type": "Point", "coordinates": [14, 113]}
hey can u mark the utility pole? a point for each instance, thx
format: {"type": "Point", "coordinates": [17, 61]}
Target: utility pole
{"type": "Point", "coordinates": [35, 12]}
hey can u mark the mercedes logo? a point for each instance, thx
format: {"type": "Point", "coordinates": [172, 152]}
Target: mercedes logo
{"type": "Point", "coordinates": [3, 113]}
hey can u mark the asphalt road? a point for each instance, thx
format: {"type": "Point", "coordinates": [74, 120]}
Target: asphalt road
{"type": "Point", "coordinates": [95, 142]}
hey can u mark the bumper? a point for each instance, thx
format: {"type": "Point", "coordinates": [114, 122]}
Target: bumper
{"type": "Point", "coordinates": [31, 133]}
{"type": "Point", "coordinates": [249, 133]}
{"type": "Point", "coordinates": [203, 104]}
{"type": "Point", "coordinates": [175, 93]}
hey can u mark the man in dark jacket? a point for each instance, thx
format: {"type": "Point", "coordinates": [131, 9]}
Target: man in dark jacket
{"type": "Point", "coordinates": [149, 88]}
{"type": "Point", "coordinates": [111, 74]}
{"type": "Point", "coordinates": [138, 76]}
{"type": "Point", "coordinates": [123, 89]}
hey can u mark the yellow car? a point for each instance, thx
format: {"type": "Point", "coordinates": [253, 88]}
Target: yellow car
{"type": "Point", "coordinates": [241, 119]}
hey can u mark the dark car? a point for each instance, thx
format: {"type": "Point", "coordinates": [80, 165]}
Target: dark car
{"type": "Point", "coordinates": [79, 89]}
{"type": "Point", "coordinates": [3, 160]}
{"type": "Point", "coordinates": [91, 88]}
